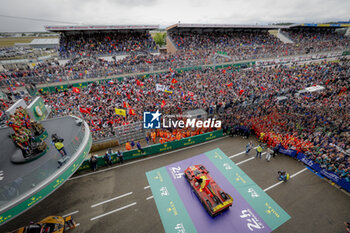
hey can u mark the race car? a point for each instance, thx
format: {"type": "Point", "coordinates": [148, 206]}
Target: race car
{"type": "Point", "coordinates": [212, 197]}
{"type": "Point", "coordinates": [51, 224]}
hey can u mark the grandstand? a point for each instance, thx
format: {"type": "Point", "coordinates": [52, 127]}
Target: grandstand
{"type": "Point", "coordinates": [92, 40]}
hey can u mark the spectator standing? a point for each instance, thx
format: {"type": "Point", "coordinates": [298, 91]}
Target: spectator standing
{"type": "Point", "coordinates": [120, 156]}
{"type": "Point", "coordinates": [258, 151]}
{"type": "Point", "coordinates": [268, 154]}
{"type": "Point", "coordinates": [139, 147]}
{"type": "Point", "coordinates": [132, 143]}
{"type": "Point", "coordinates": [249, 147]}
{"type": "Point", "coordinates": [93, 162]}
{"type": "Point", "coordinates": [108, 157]}
{"type": "Point", "coordinates": [127, 145]}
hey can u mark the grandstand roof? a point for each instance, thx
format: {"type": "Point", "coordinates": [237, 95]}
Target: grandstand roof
{"type": "Point", "coordinates": [50, 41]}
{"type": "Point", "coordinates": [65, 28]}
{"type": "Point", "coordinates": [220, 26]}
{"type": "Point", "coordinates": [238, 26]}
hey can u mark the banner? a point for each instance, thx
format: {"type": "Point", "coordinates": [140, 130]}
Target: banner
{"type": "Point", "coordinates": [121, 112]}
{"type": "Point", "coordinates": [160, 87]}
{"type": "Point", "coordinates": [289, 152]}
{"type": "Point", "coordinates": [324, 172]}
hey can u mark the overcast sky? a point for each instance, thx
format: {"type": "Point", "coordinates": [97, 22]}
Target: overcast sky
{"type": "Point", "coordinates": [168, 12]}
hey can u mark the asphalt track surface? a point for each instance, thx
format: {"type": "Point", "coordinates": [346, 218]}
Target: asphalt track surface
{"type": "Point", "coordinates": [118, 199]}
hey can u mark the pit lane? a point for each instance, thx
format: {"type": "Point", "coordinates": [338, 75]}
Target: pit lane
{"type": "Point", "coordinates": [313, 204]}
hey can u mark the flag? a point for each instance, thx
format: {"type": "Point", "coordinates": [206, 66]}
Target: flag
{"type": "Point", "coordinates": [126, 105]}
{"type": "Point", "coordinates": [83, 110]}
{"type": "Point", "coordinates": [138, 83]}
{"type": "Point", "coordinates": [263, 88]}
{"type": "Point", "coordinates": [128, 95]}
{"type": "Point", "coordinates": [230, 85]}
{"type": "Point", "coordinates": [110, 82]}
{"type": "Point", "coordinates": [190, 93]}
{"type": "Point", "coordinates": [132, 112]}
{"type": "Point", "coordinates": [224, 71]}
{"type": "Point", "coordinates": [118, 93]}
{"type": "Point", "coordinates": [76, 90]}
{"type": "Point", "coordinates": [174, 81]}
{"type": "Point", "coordinates": [241, 92]}
{"type": "Point", "coordinates": [121, 112]}
{"type": "Point", "coordinates": [170, 92]}
{"type": "Point", "coordinates": [163, 104]}
{"type": "Point", "coordinates": [149, 62]}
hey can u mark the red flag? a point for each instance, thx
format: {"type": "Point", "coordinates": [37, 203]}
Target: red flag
{"type": "Point", "coordinates": [241, 92]}
{"type": "Point", "coordinates": [149, 62]}
{"type": "Point", "coordinates": [83, 110]}
{"type": "Point", "coordinates": [174, 81]}
{"type": "Point", "coordinates": [128, 95]}
{"type": "Point", "coordinates": [163, 104]}
{"type": "Point", "coordinates": [118, 93]}
{"type": "Point", "coordinates": [138, 83]}
{"type": "Point", "coordinates": [263, 88]}
{"type": "Point", "coordinates": [126, 105]}
{"type": "Point", "coordinates": [190, 93]}
{"type": "Point", "coordinates": [76, 90]}
{"type": "Point", "coordinates": [132, 112]}
{"type": "Point", "coordinates": [224, 71]}
{"type": "Point", "coordinates": [230, 85]}
{"type": "Point", "coordinates": [170, 69]}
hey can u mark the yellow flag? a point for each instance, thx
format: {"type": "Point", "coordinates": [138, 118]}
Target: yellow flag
{"type": "Point", "coordinates": [170, 92]}
{"type": "Point", "coordinates": [120, 111]}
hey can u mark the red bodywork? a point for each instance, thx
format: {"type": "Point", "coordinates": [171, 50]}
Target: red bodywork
{"type": "Point", "coordinates": [212, 197]}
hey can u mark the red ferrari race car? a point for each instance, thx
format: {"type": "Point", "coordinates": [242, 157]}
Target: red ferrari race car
{"type": "Point", "coordinates": [212, 197]}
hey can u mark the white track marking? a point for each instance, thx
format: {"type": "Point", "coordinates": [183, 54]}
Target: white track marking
{"type": "Point", "coordinates": [298, 172]}
{"type": "Point", "coordinates": [113, 211]}
{"type": "Point", "coordinates": [249, 159]}
{"type": "Point", "coordinates": [112, 199]}
{"type": "Point", "coordinates": [147, 187]}
{"type": "Point", "coordinates": [152, 157]}
{"type": "Point", "coordinates": [240, 153]}
{"type": "Point", "coordinates": [244, 161]}
{"type": "Point", "coordinates": [272, 186]}
{"type": "Point", "coordinates": [149, 197]}
{"type": "Point", "coordinates": [74, 212]}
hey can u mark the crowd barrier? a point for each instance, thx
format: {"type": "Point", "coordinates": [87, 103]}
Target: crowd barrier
{"type": "Point", "coordinates": [155, 149]}
{"type": "Point", "coordinates": [344, 184]}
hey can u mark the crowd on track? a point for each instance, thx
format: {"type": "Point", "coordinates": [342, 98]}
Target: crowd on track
{"type": "Point", "coordinates": [194, 49]}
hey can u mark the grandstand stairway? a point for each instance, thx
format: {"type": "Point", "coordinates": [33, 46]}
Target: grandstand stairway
{"type": "Point", "coordinates": [281, 36]}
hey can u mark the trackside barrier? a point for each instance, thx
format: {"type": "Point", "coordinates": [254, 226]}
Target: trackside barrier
{"type": "Point", "coordinates": [155, 149]}
{"type": "Point", "coordinates": [343, 183]}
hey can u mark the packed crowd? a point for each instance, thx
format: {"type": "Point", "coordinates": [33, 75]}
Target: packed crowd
{"type": "Point", "coordinates": [254, 45]}
{"type": "Point", "coordinates": [222, 40]}
{"type": "Point", "coordinates": [196, 49]}
{"type": "Point", "coordinates": [112, 43]}
{"type": "Point", "coordinates": [241, 97]}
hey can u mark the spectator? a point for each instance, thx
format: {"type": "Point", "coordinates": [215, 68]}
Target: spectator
{"type": "Point", "coordinates": [120, 156]}
{"type": "Point", "coordinates": [139, 147]}
{"type": "Point", "coordinates": [258, 151]}
{"type": "Point", "coordinates": [93, 162]}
